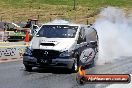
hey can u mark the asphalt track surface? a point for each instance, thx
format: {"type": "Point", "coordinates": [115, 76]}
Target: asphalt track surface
{"type": "Point", "coordinates": [13, 75]}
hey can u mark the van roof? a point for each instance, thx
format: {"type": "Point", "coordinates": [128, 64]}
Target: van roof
{"type": "Point", "coordinates": [79, 25]}
{"type": "Point", "coordinates": [63, 22]}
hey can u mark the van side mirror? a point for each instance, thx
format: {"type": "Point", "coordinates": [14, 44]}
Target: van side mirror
{"type": "Point", "coordinates": [93, 44]}
{"type": "Point", "coordinates": [37, 35]}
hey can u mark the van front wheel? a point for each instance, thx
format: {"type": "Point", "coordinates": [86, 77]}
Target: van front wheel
{"type": "Point", "coordinates": [28, 68]}
{"type": "Point", "coordinates": [75, 66]}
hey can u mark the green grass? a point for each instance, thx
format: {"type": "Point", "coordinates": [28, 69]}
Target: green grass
{"type": "Point", "coordinates": [91, 3]}
{"type": "Point", "coordinates": [21, 10]}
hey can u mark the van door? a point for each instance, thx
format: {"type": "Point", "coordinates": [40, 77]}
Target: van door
{"type": "Point", "coordinates": [81, 42]}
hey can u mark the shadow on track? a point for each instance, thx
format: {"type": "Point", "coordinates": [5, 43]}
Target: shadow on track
{"type": "Point", "coordinates": [56, 70]}
{"type": "Point", "coordinates": [52, 70]}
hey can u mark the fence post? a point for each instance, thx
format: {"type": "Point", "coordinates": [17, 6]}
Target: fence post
{"type": "Point", "coordinates": [1, 18]}
{"type": "Point", "coordinates": [87, 21]}
{"type": "Point", "coordinates": [38, 17]}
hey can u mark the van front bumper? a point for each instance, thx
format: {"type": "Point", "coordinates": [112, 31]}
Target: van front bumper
{"type": "Point", "coordinates": [58, 62]}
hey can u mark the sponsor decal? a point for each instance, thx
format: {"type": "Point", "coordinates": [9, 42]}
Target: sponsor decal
{"type": "Point", "coordinates": [7, 52]}
{"type": "Point", "coordinates": [46, 53]}
{"type": "Point", "coordinates": [83, 78]}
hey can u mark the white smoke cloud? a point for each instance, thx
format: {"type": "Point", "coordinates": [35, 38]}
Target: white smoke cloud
{"type": "Point", "coordinates": [58, 21]}
{"type": "Point", "coordinates": [114, 28]}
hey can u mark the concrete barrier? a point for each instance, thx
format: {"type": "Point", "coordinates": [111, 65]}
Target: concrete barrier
{"type": "Point", "coordinates": [1, 36]}
{"type": "Point", "coordinates": [11, 53]}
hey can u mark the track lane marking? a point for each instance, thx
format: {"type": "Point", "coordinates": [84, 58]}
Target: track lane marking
{"type": "Point", "coordinates": [10, 46]}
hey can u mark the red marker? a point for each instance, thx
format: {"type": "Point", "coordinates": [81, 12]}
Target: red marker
{"type": "Point", "coordinates": [27, 37]}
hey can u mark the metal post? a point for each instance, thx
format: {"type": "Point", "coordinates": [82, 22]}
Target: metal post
{"type": "Point", "coordinates": [74, 7]}
{"type": "Point", "coordinates": [1, 18]}
{"type": "Point", "coordinates": [38, 17]}
{"type": "Point", "coordinates": [87, 21]}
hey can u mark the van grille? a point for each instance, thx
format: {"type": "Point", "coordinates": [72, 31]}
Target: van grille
{"type": "Point", "coordinates": [47, 44]}
{"type": "Point", "coordinates": [45, 54]}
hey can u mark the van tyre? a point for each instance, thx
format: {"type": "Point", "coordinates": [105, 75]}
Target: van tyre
{"type": "Point", "coordinates": [28, 68]}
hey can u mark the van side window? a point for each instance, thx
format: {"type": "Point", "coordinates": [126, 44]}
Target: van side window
{"type": "Point", "coordinates": [82, 37]}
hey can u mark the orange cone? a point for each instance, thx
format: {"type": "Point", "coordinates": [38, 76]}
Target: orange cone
{"type": "Point", "coordinates": [27, 37]}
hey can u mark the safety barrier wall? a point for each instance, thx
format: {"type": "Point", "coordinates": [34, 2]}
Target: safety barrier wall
{"type": "Point", "coordinates": [9, 53]}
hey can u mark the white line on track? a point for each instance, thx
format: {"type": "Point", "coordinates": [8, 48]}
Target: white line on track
{"type": "Point", "coordinates": [12, 46]}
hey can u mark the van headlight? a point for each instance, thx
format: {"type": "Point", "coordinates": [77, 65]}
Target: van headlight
{"type": "Point", "coordinates": [66, 54]}
{"type": "Point", "coordinates": [28, 51]}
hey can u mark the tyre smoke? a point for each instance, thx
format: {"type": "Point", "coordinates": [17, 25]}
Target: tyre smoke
{"type": "Point", "coordinates": [58, 21]}
{"type": "Point", "coordinates": [114, 28]}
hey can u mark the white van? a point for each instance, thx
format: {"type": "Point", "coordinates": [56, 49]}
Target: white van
{"type": "Point", "coordinates": [61, 45]}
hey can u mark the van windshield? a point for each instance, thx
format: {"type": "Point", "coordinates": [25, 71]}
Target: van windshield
{"type": "Point", "coordinates": [57, 31]}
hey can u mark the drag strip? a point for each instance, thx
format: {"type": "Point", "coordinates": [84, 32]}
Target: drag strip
{"type": "Point", "coordinates": [13, 75]}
